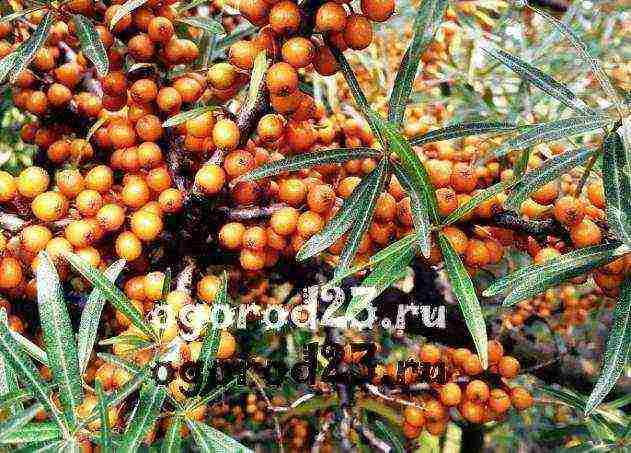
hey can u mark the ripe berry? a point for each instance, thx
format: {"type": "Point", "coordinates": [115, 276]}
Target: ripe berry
{"type": "Point", "coordinates": [189, 89]}
{"type": "Point", "coordinates": [495, 351]}
{"type": "Point", "coordinates": [521, 398]}
{"type": "Point", "coordinates": [256, 11]}
{"type": "Point", "coordinates": [457, 238]}
{"type": "Point", "coordinates": [37, 103]}
{"type": "Point", "coordinates": [414, 416]}
{"type": "Point", "coordinates": [476, 254]}
{"type": "Point", "coordinates": [472, 412]}
{"type": "Point", "coordinates": [284, 18]}
{"type": "Point", "coordinates": [298, 52]}
{"type": "Point", "coordinates": [149, 128]}
{"type": "Point", "coordinates": [88, 202]}
{"type": "Point", "coordinates": [169, 100]}
{"type": "Point", "coordinates": [569, 210]}
{"type": "Point", "coordinates": [135, 193]}
{"type": "Point", "coordinates": [585, 233]}
{"type": "Point", "coordinates": [499, 401]}
{"type": "Point", "coordinates": [270, 127]}
{"type": "Point", "coordinates": [471, 365]}
{"type": "Point", "coordinates": [58, 95]}
{"type": "Point", "coordinates": [145, 225]}
{"type": "Point", "coordinates": [99, 178]}
{"type": "Point", "coordinates": [477, 391]}
{"type": "Point", "coordinates": [171, 200]}
{"type": "Point", "coordinates": [596, 194]}
{"type": "Point", "coordinates": [252, 260]}
{"type": "Point", "coordinates": [201, 126]}
{"type": "Point", "coordinates": [238, 163]}
{"type": "Point", "coordinates": [226, 134]}
{"type": "Point", "coordinates": [320, 198]}
{"type": "Point", "coordinates": [208, 287]}
{"type": "Point", "coordinates": [8, 186]}
{"type": "Point", "coordinates": [463, 178]}
{"type": "Point", "coordinates": [227, 346]}
{"type": "Point", "coordinates": [210, 179]}
{"type": "Point", "coordinates": [10, 273]}
{"type": "Point", "coordinates": [222, 76]}
{"type": "Point", "coordinates": [32, 181]}
{"type": "Point", "coordinates": [160, 29]}
{"type": "Point", "coordinates": [231, 235]}
{"type": "Point", "coordinates": [292, 191]}
{"type": "Point", "coordinates": [128, 246]}
{"type": "Point", "coordinates": [309, 223]}
{"type": "Point", "coordinates": [69, 74]}
{"type": "Point", "coordinates": [111, 217]}
{"type": "Point", "coordinates": [243, 53]}
{"type": "Point", "coordinates": [429, 354]}
{"type": "Point", "coordinates": [331, 17]}
{"type": "Point", "coordinates": [121, 135]}
{"type": "Point", "coordinates": [358, 32]}
{"type": "Point", "coordinates": [284, 221]}
{"type": "Point", "coordinates": [141, 47]}
{"type": "Point", "coordinates": [378, 10]}
{"type": "Point", "coordinates": [143, 91]}
{"type": "Point", "coordinates": [450, 394]}
{"type": "Point", "coordinates": [508, 367]}
{"type": "Point", "coordinates": [546, 194]}
{"type": "Point", "coordinates": [281, 79]}
{"type": "Point", "coordinates": [35, 237]}
{"type": "Point", "coordinates": [254, 238]}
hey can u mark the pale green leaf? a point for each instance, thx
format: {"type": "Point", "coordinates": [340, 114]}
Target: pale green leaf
{"type": "Point", "coordinates": [27, 50]}
{"type": "Point", "coordinates": [91, 44]}
{"type": "Point", "coordinates": [203, 23]}
{"type": "Point", "coordinates": [462, 130]}
{"type": "Point", "coordinates": [17, 421]}
{"type": "Point", "coordinates": [34, 432]}
{"type": "Point", "coordinates": [125, 8]}
{"type": "Point", "coordinates": [210, 440]}
{"type": "Point", "coordinates": [145, 415]}
{"type": "Point", "coordinates": [106, 433]}
{"type": "Point", "coordinates": [617, 185]}
{"type": "Point", "coordinates": [183, 117]}
{"type": "Point", "coordinates": [172, 442]}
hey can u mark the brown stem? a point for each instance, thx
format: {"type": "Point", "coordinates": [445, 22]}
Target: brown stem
{"type": "Point", "coordinates": [250, 213]}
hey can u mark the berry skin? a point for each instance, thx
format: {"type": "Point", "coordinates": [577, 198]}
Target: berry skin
{"type": "Point", "coordinates": [463, 178]}
{"type": "Point", "coordinates": [596, 194]}
{"type": "Point", "coordinates": [546, 254]}
{"type": "Point", "coordinates": [99, 178]}
{"type": "Point", "coordinates": [521, 398]}
{"type": "Point", "coordinates": [508, 367]}
{"type": "Point", "coordinates": [188, 88]}
{"type": "Point", "coordinates": [252, 260]}
{"type": "Point", "coordinates": [160, 30]}
{"type": "Point", "coordinates": [145, 225]}
{"type": "Point", "coordinates": [331, 17]}
{"type": "Point", "coordinates": [254, 238]}
{"type": "Point", "coordinates": [546, 194]}
{"type": "Point", "coordinates": [222, 76]}
{"type": "Point", "coordinates": [171, 200]}
{"type": "Point", "coordinates": [429, 354]}
{"type": "Point", "coordinates": [270, 127]}
{"type": "Point", "coordinates": [208, 287]}
{"type": "Point", "coordinates": [149, 128]}
{"type": "Point", "coordinates": [238, 162]}
{"type": "Point", "coordinates": [143, 91]}
{"type": "Point", "coordinates": [377, 10]}
{"type": "Point", "coordinates": [495, 351]}
{"type": "Point", "coordinates": [284, 18]}
{"type": "Point", "coordinates": [474, 413]}
{"type": "Point", "coordinates": [585, 233]}
{"type": "Point", "coordinates": [320, 198]}
{"type": "Point", "coordinates": [298, 52]}
{"type": "Point", "coordinates": [35, 238]}
{"type": "Point", "coordinates": [457, 238]}
{"type": "Point", "coordinates": [169, 100]}
{"type": "Point", "coordinates": [472, 365]}
{"type": "Point", "coordinates": [210, 179]}
{"type": "Point", "coordinates": [309, 223]}
{"type": "Point", "coordinates": [128, 246]}
{"type": "Point", "coordinates": [255, 11]}
{"type": "Point", "coordinates": [226, 134]}
{"type": "Point", "coordinates": [476, 254]}
{"type": "Point", "coordinates": [32, 181]}
{"type": "Point", "coordinates": [358, 32]}
{"type": "Point", "coordinates": [49, 206]}
{"type": "Point", "coordinates": [499, 401]}
{"type": "Point", "coordinates": [292, 191]}
{"type": "Point", "coordinates": [284, 221]}
{"type": "Point", "coordinates": [111, 217]}
{"type": "Point", "coordinates": [414, 416]}
{"type": "Point", "coordinates": [477, 391]}
{"type": "Point", "coordinates": [8, 186]}
{"type": "Point", "coordinates": [447, 201]}
{"type": "Point", "coordinates": [10, 273]}
{"type": "Point", "coordinates": [135, 193]}
{"type": "Point", "coordinates": [201, 126]}
{"type": "Point", "coordinates": [88, 202]}
{"type": "Point", "coordinates": [231, 235]}
{"type": "Point", "coordinates": [227, 346]}
{"type": "Point", "coordinates": [569, 210]}
{"type": "Point", "coordinates": [281, 79]}
{"type": "Point", "coordinates": [450, 394]}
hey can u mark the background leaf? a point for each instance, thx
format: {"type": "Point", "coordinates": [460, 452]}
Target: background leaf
{"type": "Point", "coordinates": [462, 130]}
{"type": "Point", "coordinates": [58, 337]}
{"type": "Point", "coordinates": [210, 440]}
{"type": "Point", "coordinates": [17, 421]}
{"type": "Point", "coordinates": [183, 117]}
{"type": "Point", "coordinates": [26, 52]}
{"type": "Point", "coordinates": [106, 433]}
{"type": "Point", "coordinates": [91, 44]}
{"type": "Point", "coordinates": [145, 415]}
{"type": "Point", "coordinates": [463, 289]}
{"type": "Point", "coordinates": [617, 185]}
{"type": "Point", "coordinates": [125, 8]}
{"type": "Point", "coordinates": [34, 432]}
{"type": "Point", "coordinates": [616, 351]}
{"type": "Point", "coordinates": [172, 442]}
{"type": "Point", "coordinates": [203, 23]}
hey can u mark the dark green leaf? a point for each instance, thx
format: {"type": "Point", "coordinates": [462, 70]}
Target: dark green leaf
{"type": "Point", "coordinates": [31, 348]}
{"type": "Point", "coordinates": [27, 372]}
{"type": "Point", "coordinates": [425, 26]}
{"type": "Point", "coordinates": [183, 117]}
{"type": "Point", "coordinates": [106, 433]}
{"type": "Point", "coordinates": [341, 222]}
{"type": "Point", "coordinates": [203, 23]}
{"type": "Point", "coordinates": [462, 130]}
{"type": "Point", "coordinates": [549, 132]}
{"type": "Point", "coordinates": [548, 171]}
{"type": "Point", "coordinates": [125, 8]}
{"type": "Point", "coordinates": [420, 216]}
{"type": "Point", "coordinates": [532, 280]}
{"type": "Point", "coordinates": [210, 440]}
{"type": "Point", "coordinates": [91, 44]}
{"type": "Point", "coordinates": [538, 78]}
{"type": "Point", "coordinates": [617, 184]}
{"type": "Point", "coordinates": [110, 292]}
{"type": "Point", "coordinates": [91, 315]}
{"type": "Point", "coordinates": [386, 433]}
{"type": "Point", "coordinates": [616, 351]}
{"type": "Point", "coordinates": [309, 160]}
{"type": "Point", "coordinates": [363, 217]}
{"type": "Point", "coordinates": [58, 337]}
{"type": "Point", "coordinates": [27, 50]}
{"type": "Point", "coordinates": [34, 432]}
{"type": "Point", "coordinates": [17, 421]}
{"type": "Point", "coordinates": [172, 442]}
{"type": "Point", "coordinates": [413, 166]}
{"type": "Point", "coordinates": [463, 289]}
{"type": "Point", "coordinates": [145, 415]}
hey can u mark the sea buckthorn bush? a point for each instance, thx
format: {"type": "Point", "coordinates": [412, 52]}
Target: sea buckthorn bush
{"type": "Point", "coordinates": [174, 176]}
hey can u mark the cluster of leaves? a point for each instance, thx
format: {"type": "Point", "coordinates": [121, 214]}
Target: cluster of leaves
{"type": "Point", "coordinates": [21, 383]}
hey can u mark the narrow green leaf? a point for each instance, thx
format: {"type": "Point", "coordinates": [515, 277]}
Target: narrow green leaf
{"type": "Point", "coordinates": [579, 402]}
{"type": "Point", "coordinates": [617, 184]}
{"type": "Point", "coordinates": [425, 26]}
{"type": "Point", "coordinates": [212, 338]}
{"type": "Point", "coordinates": [550, 170]}
{"type": "Point", "coordinates": [12, 401]}
{"type": "Point", "coordinates": [145, 415]}
{"type": "Point", "coordinates": [463, 289]}
{"type": "Point", "coordinates": [190, 5]}
{"type": "Point", "coordinates": [203, 23]}
{"type": "Point", "coordinates": [549, 132]}
{"type": "Point", "coordinates": [538, 78]}
{"type": "Point", "coordinates": [91, 44]}
{"type": "Point", "coordinates": [34, 432]}
{"type": "Point", "coordinates": [598, 71]}
{"type": "Point", "coordinates": [420, 215]}
{"type": "Point", "coordinates": [20, 13]}
{"type": "Point", "coordinates": [309, 160]}
{"type": "Point", "coordinates": [475, 201]}
{"type": "Point", "coordinates": [462, 130]}
{"type": "Point", "coordinates": [91, 316]}
{"type": "Point", "coordinates": [172, 442]}
{"type": "Point", "coordinates": [17, 421]}
{"type": "Point", "coordinates": [27, 50]}
{"type": "Point", "coordinates": [385, 432]}
{"type": "Point", "coordinates": [256, 80]}
{"type": "Point", "coordinates": [616, 351]}
{"type": "Point", "coordinates": [131, 340]}
{"type": "Point", "coordinates": [106, 433]}
{"type": "Point", "coordinates": [9, 390]}
{"type": "Point", "coordinates": [363, 217]}
{"type": "Point", "coordinates": [384, 275]}
{"type": "Point", "coordinates": [120, 362]}
{"type": "Point", "coordinates": [535, 279]}
{"type": "Point", "coordinates": [341, 222]}
{"type": "Point", "coordinates": [58, 337]}
{"type": "Point", "coordinates": [412, 164]}
{"type": "Point", "coordinates": [183, 117]}
{"type": "Point", "coordinates": [27, 372]}
{"type": "Point", "coordinates": [210, 440]}
{"type": "Point", "coordinates": [126, 8]}
{"type": "Point", "coordinates": [7, 64]}
{"type": "Point", "coordinates": [110, 292]}
{"type": "Point", "coordinates": [31, 348]}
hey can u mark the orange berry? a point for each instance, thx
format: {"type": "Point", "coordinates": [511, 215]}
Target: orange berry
{"type": "Point", "coordinates": [585, 233]}
{"type": "Point", "coordinates": [32, 181]}
{"type": "Point", "coordinates": [49, 206]}
{"type": "Point", "coordinates": [521, 398]}
{"type": "Point", "coordinates": [210, 179]}
{"type": "Point", "coordinates": [358, 32]}
{"type": "Point", "coordinates": [128, 246]}
{"type": "Point", "coordinates": [231, 235]}
{"type": "Point", "coordinates": [450, 394]}
{"type": "Point", "coordinates": [508, 367]}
